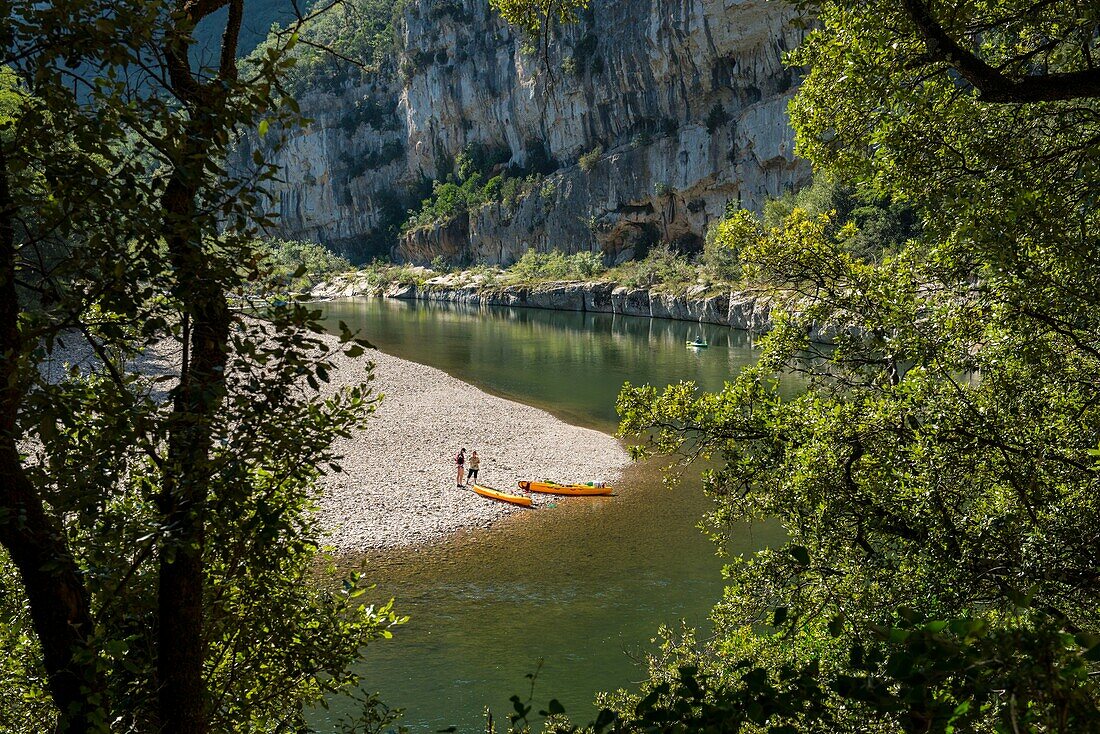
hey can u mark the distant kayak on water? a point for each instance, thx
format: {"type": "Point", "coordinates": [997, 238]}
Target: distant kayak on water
{"type": "Point", "coordinates": [698, 343]}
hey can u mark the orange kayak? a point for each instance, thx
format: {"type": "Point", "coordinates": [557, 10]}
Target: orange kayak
{"type": "Point", "coordinates": [571, 489]}
{"type": "Point", "coordinates": [496, 494]}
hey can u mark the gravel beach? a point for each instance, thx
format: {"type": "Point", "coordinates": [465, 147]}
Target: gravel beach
{"type": "Point", "coordinates": [398, 485]}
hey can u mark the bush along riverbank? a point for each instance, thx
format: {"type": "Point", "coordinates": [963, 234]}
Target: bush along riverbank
{"type": "Point", "coordinates": [717, 286]}
{"type": "Point", "coordinates": [701, 303]}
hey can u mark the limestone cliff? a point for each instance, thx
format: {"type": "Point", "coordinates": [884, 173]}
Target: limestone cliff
{"type": "Point", "coordinates": [677, 106]}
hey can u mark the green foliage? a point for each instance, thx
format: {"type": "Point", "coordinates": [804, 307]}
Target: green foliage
{"type": "Point", "coordinates": [914, 675]}
{"type": "Point", "coordinates": [471, 190]}
{"type": "Point", "coordinates": [452, 9]}
{"type": "Point", "coordinates": [724, 243]}
{"type": "Point", "coordinates": [662, 266]}
{"type": "Point", "coordinates": [25, 704]}
{"type": "Point", "coordinates": [881, 224]}
{"type": "Point", "coordinates": [160, 450]}
{"type": "Point", "coordinates": [478, 158]}
{"type": "Point", "coordinates": [588, 160]}
{"type": "Point", "coordinates": [379, 274]}
{"type": "Point", "coordinates": [297, 265]}
{"type": "Point", "coordinates": [716, 118]}
{"type": "Point", "coordinates": [934, 477]}
{"type": "Point", "coordinates": [514, 189]}
{"type": "Point", "coordinates": [531, 18]}
{"type": "Point", "coordinates": [535, 267]}
{"type": "Point", "coordinates": [334, 39]}
{"type": "Point", "coordinates": [449, 199]}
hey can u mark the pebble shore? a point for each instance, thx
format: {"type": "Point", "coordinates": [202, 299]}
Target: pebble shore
{"type": "Point", "coordinates": [397, 487]}
{"type": "Point", "coordinates": [398, 484]}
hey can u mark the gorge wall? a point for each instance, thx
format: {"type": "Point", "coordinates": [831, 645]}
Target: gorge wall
{"type": "Point", "coordinates": [647, 117]}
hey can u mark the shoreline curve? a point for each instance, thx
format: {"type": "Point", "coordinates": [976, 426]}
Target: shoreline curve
{"type": "Point", "coordinates": [398, 484]}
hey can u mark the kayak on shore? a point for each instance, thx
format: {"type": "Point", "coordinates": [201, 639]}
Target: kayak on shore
{"type": "Point", "coordinates": [496, 494]}
{"type": "Point", "coordinates": [547, 487]}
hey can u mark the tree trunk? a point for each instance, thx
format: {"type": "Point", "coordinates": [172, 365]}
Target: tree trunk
{"type": "Point", "coordinates": [181, 646]}
{"type": "Point", "coordinates": [59, 601]}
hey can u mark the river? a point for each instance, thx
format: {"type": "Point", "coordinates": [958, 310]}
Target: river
{"type": "Point", "coordinates": [580, 588]}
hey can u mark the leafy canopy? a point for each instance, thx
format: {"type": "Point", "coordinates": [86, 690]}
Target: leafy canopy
{"type": "Point", "coordinates": [159, 450]}
{"type": "Point", "coordinates": [937, 478]}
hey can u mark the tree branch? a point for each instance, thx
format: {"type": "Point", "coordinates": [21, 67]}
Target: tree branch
{"type": "Point", "coordinates": [992, 84]}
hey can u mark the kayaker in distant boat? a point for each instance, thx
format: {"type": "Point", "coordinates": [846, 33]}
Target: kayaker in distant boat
{"type": "Point", "coordinates": [699, 342]}
{"type": "Point", "coordinates": [475, 463]}
{"type": "Point", "coordinates": [460, 464]}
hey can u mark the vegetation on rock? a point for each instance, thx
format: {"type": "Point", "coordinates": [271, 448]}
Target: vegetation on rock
{"type": "Point", "coordinates": [535, 267]}
{"type": "Point", "coordinates": [478, 177]}
{"type": "Point", "coordinates": [333, 41]}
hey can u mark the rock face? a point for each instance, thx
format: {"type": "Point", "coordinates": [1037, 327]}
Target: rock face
{"type": "Point", "coordinates": [654, 115]}
{"type": "Point", "coordinates": [738, 310]}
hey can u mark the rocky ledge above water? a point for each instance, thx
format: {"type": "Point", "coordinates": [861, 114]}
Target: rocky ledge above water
{"type": "Point", "coordinates": [703, 304]}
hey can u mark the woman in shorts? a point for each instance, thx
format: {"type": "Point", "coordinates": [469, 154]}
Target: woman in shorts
{"type": "Point", "coordinates": [460, 464]}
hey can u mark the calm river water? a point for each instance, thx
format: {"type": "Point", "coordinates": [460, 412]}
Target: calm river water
{"type": "Point", "coordinates": [583, 586]}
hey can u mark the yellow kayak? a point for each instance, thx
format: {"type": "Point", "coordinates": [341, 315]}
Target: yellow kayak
{"type": "Point", "coordinates": [496, 494]}
{"type": "Point", "coordinates": [571, 489]}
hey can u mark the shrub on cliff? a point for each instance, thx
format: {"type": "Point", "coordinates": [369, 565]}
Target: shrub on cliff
{"type": "Point", "coordinates": [450, 199]}
{"type": "Point", "coordinates": [588, 160]}
{"type": "Point", "coordinates": [716, 118]}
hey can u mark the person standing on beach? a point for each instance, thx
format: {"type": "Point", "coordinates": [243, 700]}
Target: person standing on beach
{"type": "Point", "coordinates": [475, 462]}
{"type": "Point", "coordinates": [460, 464]}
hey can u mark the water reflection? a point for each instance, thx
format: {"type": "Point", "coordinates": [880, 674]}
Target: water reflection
{"type": "Point", "coordinates": [571, 363]}
{"type": "Point", "coordinates": [584, 585]}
